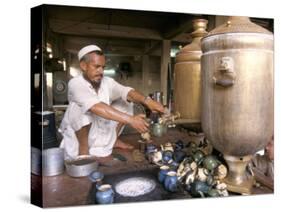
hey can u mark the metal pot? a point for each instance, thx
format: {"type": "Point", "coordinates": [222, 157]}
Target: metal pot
{"type": "Point", "coordinates": [237, 93]}
{"type": "Point", "coordinates": [213, 193]}
{"type": "Point", "coordinates": [199, 189]}
{"type": "Point", "coordinates": [159, 130]}
{"type": "Point", "coordinates": [82, 166]}
{"type": "Point", "coordinates": [210, 162]}
{"type": "Point", "coordinates": [198, 156]}
{"type": "Point", "coordinates": [187, 87]}
{"type": "Point", "coordinates": [53, 161]}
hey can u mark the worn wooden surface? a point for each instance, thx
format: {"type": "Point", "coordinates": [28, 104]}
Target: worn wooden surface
{"type": "Point", "coordinates": [63, 190]}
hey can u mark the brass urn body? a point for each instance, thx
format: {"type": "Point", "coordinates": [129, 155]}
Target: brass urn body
{"type": "Point", "coordinates": [187, 87]}
{"type": "Point", "coordinates": [237, 94]}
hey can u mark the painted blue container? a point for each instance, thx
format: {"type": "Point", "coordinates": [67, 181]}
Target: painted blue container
{"type": "Point", "coordinates": [179, 155]}
{"type": "Point", "coordinates": [171, 181]}
{"type": "Point", "coordinates": [179, 145]}
{"type": "Point", "coordinates": [150, 148]}
{"type": "Point", "coordinates": [167, 157]}
{"type": "Point", "coordinates": [96, 176]}
{"type": "Point", "coordinates": [174, 165]}
{"type": "Point", "coordinates": [104, 194]}
{"type": "Point", "coordinates": [162, 173]}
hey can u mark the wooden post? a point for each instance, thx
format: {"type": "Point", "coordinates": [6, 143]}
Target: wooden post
{"type": "Point", "coordinates": [145, 73]}
{"type": "Point", "coordinates": [165, 60]}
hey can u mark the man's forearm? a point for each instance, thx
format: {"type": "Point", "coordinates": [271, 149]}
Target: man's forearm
{"type": "Point", "coordinates": [108, 112]}
{"type": "Point", "coordinates": [136, 97]}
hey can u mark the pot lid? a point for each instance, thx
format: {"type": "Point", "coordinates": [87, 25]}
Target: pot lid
{"type": "Point", "coordinates": [199, 26]}
{"type": "Point", "coordinates": [192, 51]}
{"type": "Point", "coordinates": [238, 24]}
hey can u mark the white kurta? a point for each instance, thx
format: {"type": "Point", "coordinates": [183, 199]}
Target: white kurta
{"type": "Point", "coordinates": [82, 96]}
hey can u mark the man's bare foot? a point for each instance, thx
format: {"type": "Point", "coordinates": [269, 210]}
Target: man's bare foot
{"type": "Point", "coordinates": [120, 144]}
{"type": "Point", "coordinates": [104, 159]}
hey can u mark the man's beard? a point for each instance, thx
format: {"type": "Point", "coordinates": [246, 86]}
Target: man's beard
{"type": "Point", "coordinates": [95, 84]}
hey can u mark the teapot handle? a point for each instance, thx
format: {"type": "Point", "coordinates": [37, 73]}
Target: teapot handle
{"type": "Point", "coordinates": [207, 173]}
{"type": "Point", "coordinates": [201, 194]}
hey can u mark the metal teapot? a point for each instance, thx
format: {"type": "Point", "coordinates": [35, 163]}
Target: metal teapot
{"type": "Point", "coordinates": [210, 162]}
{"type": "Point", "coordinates": [160, 127]}
{"type": "Point", "coordinates": [199, 189]}
{"type": "Point", "coordinates": [159, 130]}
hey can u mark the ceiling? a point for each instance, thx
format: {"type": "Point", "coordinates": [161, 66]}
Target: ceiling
{"type": "Point", "coordinates": [118, 30]}
{"type": "Point", "coordinates": [121, 31]}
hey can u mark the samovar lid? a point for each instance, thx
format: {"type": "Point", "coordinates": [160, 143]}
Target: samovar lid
{"type": "Point", "coordinates": [188, 51]}
{"type": "Point", "coordinates": [238, 24]}
{"type": "Point", "coordinates": [199, 26]}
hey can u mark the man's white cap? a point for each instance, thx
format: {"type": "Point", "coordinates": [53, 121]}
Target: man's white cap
{"type": "Point", "coordinates": [85, 50]}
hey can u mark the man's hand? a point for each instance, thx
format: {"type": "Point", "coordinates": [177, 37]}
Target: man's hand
{"type": "Point", "coordinates": [154, 106]}
{"type": "Point", "coordinates": [138, 122]}
{"type": "Point", "coordinates": [134, 96]}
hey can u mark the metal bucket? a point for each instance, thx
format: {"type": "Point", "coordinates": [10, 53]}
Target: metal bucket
{"type": "Point", "coordinates": [36, 161]}
{"type": "Point", "coordinates": [53, 161]}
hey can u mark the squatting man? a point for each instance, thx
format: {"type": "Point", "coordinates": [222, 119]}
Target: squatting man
{"type": "Point", "coordinates": [99, 108]}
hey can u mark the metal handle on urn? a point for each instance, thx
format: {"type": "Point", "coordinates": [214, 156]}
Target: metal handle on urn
{"type": "Point", "coordinates": [225, 75]}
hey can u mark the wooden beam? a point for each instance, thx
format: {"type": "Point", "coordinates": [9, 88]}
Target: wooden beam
{"type": "Point", "coordinates": [151, 46]}
{"type": "Point", "coordinates": [184, 26]}
{"type": "Point", "coordinates": [165, 60]}
{"type": "Point", "coordinates": [126, 52]}
{"type": "Point", "coordinates": [184, 38]}
{"type": "Point", "coordinates": [114, 48]}
{"type": "Point", "coordinates": [91, 29]}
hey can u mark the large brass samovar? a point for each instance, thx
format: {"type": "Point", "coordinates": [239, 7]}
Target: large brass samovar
{"type": "Point", "coordinates": [187, 87]}
{"type": "Point", "coordinates": [237, 94]}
